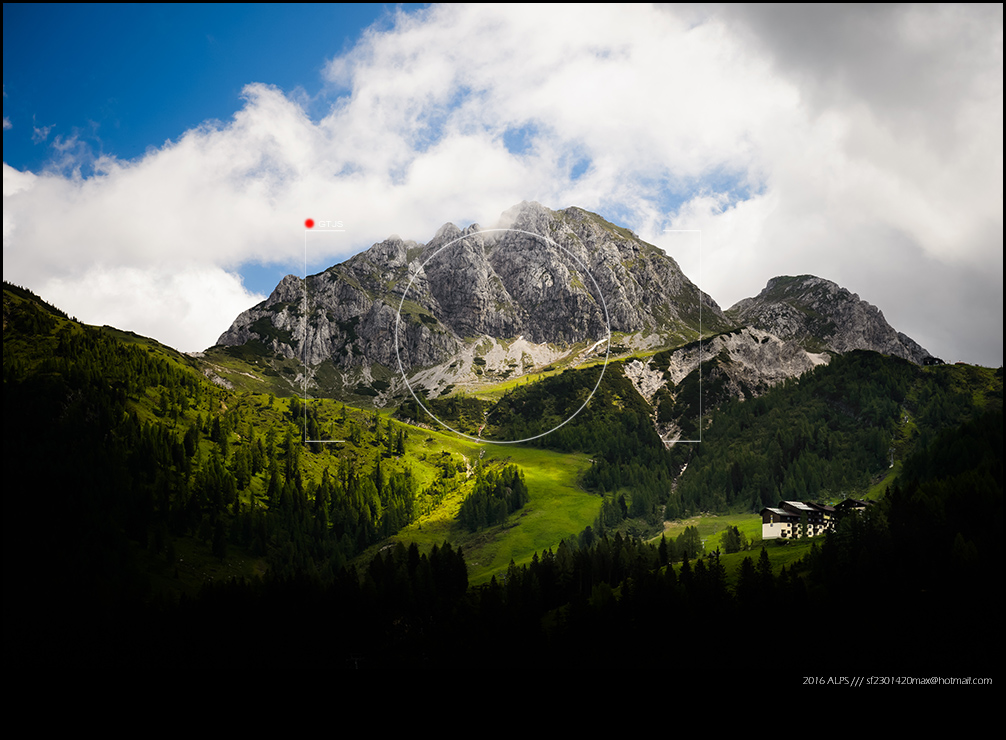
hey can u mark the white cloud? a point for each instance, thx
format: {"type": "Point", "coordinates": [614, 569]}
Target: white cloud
{"type": "Point", "coordinates": [859, 144]}
{"type": "Point", "coordinates": [182, 308]}
{"type": "Point", "coordinates": [39, 133]}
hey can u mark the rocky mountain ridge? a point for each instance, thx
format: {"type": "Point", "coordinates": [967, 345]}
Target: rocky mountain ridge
{"type": "Point", "coordinates": [820, 315]}
{"type": "Point", "coordinates": [681, 385]}
{"type": "Point", "coordinates": [540, 290]}
{"type": "Point", "coordinates": [557, 279]}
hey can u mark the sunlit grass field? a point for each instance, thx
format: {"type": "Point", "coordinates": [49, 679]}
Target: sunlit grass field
{"type": "Point", "coordinates": [559, 507]}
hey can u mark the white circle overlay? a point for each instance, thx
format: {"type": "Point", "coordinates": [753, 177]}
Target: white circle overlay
{"type": "Point", "coordinates": [607, 323]}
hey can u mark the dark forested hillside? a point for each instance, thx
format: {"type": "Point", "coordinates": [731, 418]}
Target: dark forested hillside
{"type": "Point", "coordinates": [136, 479]}
{"type": "Point", "coordinates": [824, 435]}
{"type": "Point", "coordinates": [158, 518]}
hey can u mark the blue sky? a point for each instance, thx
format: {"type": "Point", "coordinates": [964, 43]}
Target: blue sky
{"type": "Point", "coordinates": [122, 78]}
{"type": "Point", "coordinates": [159, 161]}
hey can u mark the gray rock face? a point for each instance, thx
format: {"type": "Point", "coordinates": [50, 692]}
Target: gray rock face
{"type": "Point", "coordinates": [551, 277]}
{"type": "Point", "coordinates": [348, 314]}
{"type": "Point", "coordinates": [820, 315]}
{"type": "Point", "coordinates": [465, 284]}
{"type": "Point", "coordinates": [740, 363]}
{"type": "Point", "coordinates": [754, 359]}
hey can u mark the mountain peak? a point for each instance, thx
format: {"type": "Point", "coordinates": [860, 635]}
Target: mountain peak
{"type": "Point", "coordinates": [526, 216]}
{"type": "Point", "coordinates": [446, 232]}
{"type": "Point", "coordinates": [822, 315]}
{"type": "Point", "coordinates": [566, 289]}
{"type": "Point", "coordinates": [436, 308]}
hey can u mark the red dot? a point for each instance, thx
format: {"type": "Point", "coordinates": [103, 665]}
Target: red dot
{"type": "Point", "coordinates": [309, 223]}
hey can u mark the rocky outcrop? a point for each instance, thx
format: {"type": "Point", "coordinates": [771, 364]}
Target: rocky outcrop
{"type": "Point", "coordinates": [741, 363]}
{"type": "Point", "coordinates": [820, 315]}
{"type": "Point", "coordinates": [348, 314]}
{"type": "Point", "coordinates": [550, 277]}
{"type": "Point", "coordinates": [483, 305]}
{"type": "Point", "coordinates": [753, 359]}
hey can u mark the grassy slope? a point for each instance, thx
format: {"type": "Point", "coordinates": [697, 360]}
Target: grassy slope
{"type": "Point", "coordinates": [558, 507]}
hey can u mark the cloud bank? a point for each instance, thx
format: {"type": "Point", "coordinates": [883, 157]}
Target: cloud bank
{"type": "Point", "coordinates": [861, 145]}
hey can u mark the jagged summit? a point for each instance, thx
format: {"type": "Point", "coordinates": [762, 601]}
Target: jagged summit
{"type": "Point", "coordinates": [526, 215]}
{"type": "Point", "coordinates": [563, 289]}
{"type": "Point", "coordinates": [540, 287]}
{"type": "Point", "coordinates": [821, 315]}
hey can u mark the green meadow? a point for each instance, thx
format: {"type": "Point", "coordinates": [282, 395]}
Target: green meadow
{"type": "Point", "coordinates": [559, 507]}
